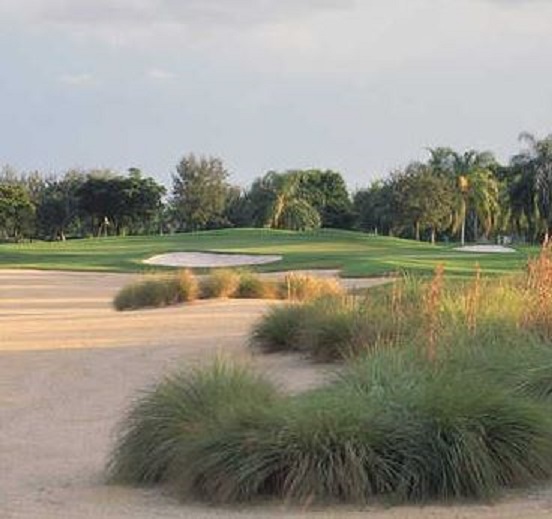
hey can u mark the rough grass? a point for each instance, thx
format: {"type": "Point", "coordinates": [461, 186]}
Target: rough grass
{"type": "Point", "coordinates": [252, 286]}
{"type": "Point", "coordinates": [448, 397]}
{"type": "Point", "coordinates": [221, 283]}
{"type": "Point", "coordinates": [157, 291]}
{"type": "Point", "coordinates": [392, 426]}
{"type": "Point", "coordinates": [304, 287]}
{"type": "Point", "coordinates": [159, 434]}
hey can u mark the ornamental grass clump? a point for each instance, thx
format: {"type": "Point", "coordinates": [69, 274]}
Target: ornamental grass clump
{"type": "Point", "coordinates": [221, 283]}
{"type": "Point", "coordinates": [158, 437]}
{"type": "Point", "coordinates": [393, 425]}
{"type": "Point", "coordinates": [152, 292]}
{"type": "Point", "coordinates": [157, 291]}
{"type": "Point", "coordinates": [252, 286]}
{"type": "Point", "coordinates": [304, 287]}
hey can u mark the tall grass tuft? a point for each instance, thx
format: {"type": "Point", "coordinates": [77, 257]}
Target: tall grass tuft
{"type": "Point", "coordinates": [188, 286]}
{"type": "Point", "coordinates": [148, 293]}
{"type": "Point", "coordinates": [157, 438]}
{"type": "Point", "coordinates": [251, 286]}
{"type": "Point", "coordinates": [304, 287]}
{"type": "Point", "coordinates": [392, 425]}
{"type": "Point", "coordinates": [221, 283]}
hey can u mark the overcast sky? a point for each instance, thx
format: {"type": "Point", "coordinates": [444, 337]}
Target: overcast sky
{"type": "Point", "coordinates": [361, 86]}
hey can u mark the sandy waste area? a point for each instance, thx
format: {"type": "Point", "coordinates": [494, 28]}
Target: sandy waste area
{"type": "Point", "coordinates": [209, 260]}
{"type": "Point", "coordinates": [70, 365]}
{"type": "Point", "coordinates": [486, 249]}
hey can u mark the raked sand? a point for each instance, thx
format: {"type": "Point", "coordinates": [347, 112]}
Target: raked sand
{"type": "Point", "coordinates": [209, 260]}
{"type": "Point", "coordinates": [69, 365]}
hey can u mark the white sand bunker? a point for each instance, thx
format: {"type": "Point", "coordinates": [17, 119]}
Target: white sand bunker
{"type": "Point", "coordinates": [209, 260]}
{"type": "Point", "coordinates": [486, 249]}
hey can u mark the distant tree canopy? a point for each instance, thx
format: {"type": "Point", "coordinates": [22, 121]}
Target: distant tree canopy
{"type": "Point", "coordinates": [452, 195]}
{"type": "Point", "coordinates": [16, 211]}
{"type": "Point", "coordinates": [201, 193]}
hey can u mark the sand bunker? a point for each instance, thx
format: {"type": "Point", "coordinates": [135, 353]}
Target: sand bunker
{"type": "Point", "coordinates": [209, 260]}
{"type": "Point", "coordinates": [487, 249]}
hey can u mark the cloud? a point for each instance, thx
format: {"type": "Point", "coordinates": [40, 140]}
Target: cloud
{"type": "Point", "coordinates": [159, 74]}
{"type": "Point", "coordinates": [77, 80]}
{"type": "Point", "coordinates": [182, 12]}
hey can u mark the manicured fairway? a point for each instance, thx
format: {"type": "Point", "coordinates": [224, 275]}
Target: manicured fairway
{"type": "Point", "coordinates": [357, 254]}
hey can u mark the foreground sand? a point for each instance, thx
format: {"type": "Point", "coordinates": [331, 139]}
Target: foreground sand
{"type": "Point", "coordinates": [68, 367]}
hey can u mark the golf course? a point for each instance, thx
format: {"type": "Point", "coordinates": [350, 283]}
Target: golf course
{"type": "Point", "coordinates": [355, 254]}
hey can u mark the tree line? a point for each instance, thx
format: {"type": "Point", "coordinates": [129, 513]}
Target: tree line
{"type": "Point", "coordinates": [450, 196]}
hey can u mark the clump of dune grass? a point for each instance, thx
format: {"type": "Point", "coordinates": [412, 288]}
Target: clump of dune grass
{"type": "Point", "coordinates": [151, 292]}
{"type": "Point", "coordinates": [252, 286]}
{"type": "Point", "coordinates": [393, 425]}
{"type": "Point", "coordinates": [157, 291]}
{"type": "Point", "coordinates": [158, 437]}
{"type": "Point", "coordinates": [278, 330]}
{"type": "Point", "coordinates": [221, 283]}
{"type": "Point", "coordinates": [188, 286]}
{"type": "Point", "coordinates": [305, 287]}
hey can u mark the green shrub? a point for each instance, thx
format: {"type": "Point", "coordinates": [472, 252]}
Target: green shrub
{"type": "Point", "coordinates": [158, 291]}
{"type": "Point", "coordinates": [326, 329]}
{"type": "Point", "coordinates": [220, 283]}
{"type": "Point", "coordinates": [393, 425]}
{"type": "Point", "coordinates": [148, 293]}
{"type": "Point", "coordinates": [157, 438]}
{"type": "Point", "coordinates": [251, 286]}
{"type": "Point", "coordinates": [278, 330]}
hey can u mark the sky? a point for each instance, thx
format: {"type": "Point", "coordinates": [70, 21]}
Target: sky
{"type": "Point", "coordinates": [359, 86]}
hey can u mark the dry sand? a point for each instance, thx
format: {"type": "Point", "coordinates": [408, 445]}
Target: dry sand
{"type": "Point", "coordinates": [68, 367]}
{"type": "Point", "coordinates": [486, 249]}
{"type": "Point", "coordinates": [210, 260]}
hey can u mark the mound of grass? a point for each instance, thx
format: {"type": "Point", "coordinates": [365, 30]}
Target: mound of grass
{"type": "Point", "coordinates": [149, 293]}
{"type": "Point", "coordinates": [279, 329]}
{"type": "Point", "coordinates": [158, 437]}
{"type": "Point", "coordinates": [326, 329]}
{"type": "Point", "coordinates": [158, 291]}
{"type": "Point", "coordinates": [251, 286]}
{"type": "Point", "coordinates": [221, 283]}
{"type": "Point", "coordinates": [304, 287]}
{"type": "Point", "coordinates": [393, 425]}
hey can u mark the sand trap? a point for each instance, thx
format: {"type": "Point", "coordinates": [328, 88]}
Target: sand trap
{"type": "Point", "coordinates": [69, 366]}
{"type": "Point", "coordinates": [486, 249]}
{"type": "Point", "coordinates": [209, 260]}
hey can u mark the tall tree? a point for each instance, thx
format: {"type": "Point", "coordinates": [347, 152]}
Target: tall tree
{"type": "Point", "coordinates": [477, 189]}
{"type": "Point", "coordinates": [531, 189]}
{"type": "Point", "coordinates": [16, 212]}
{"type": "Point", "coordinates": [280, 203]}
{"type": "Point", "coordinates": [423, 200]}
{"type": "Point", "coordinates": [201, 193]}
{"type": "Point", "coordinates": [326, 191]}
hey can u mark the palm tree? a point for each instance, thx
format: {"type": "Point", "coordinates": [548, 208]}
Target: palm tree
{"type": "Point", "coordinates": [534, 168]}
{"type": "Point", "coordinates": [477, 189]}
{"type": "Point", "coordinates": [287, 209]}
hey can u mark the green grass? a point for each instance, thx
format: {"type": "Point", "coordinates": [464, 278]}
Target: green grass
{"type": "Point", "coordinates": [357, 254]}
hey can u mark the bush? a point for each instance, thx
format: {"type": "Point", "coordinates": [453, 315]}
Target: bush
{"type": "Point", "coordinates": [326, 329]}
{"type": "Point", "coordinates": [188, 286]}
{"type": "Point", "coordinates": [220, 283]}
{"type": "Point", "coordinates": [157, 291]}
{"type": "Point", "coordinates": [157, 438]}
{"type": "Point", "coordinates": [303, 287]}
{"type": "Point", "coordinates": [252, 286]}
{"type": "Point", "coordinates": [278, 330]}
{"type": "Point", "coordinates": [148, 293]}
{"type": "Point", "coordinates": [393, 425]}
